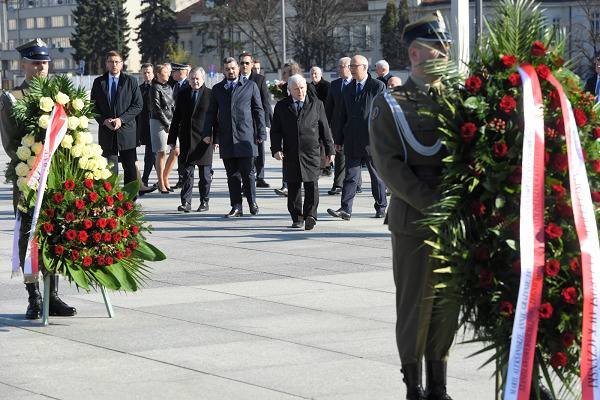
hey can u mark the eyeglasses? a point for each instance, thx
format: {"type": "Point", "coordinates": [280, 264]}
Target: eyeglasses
{"type": "Point", "coordinates": [245, 62]}
{"type": "Point", "coordinates": [357, 65]}
{"type": "Point", "coordinates": [343, 66]}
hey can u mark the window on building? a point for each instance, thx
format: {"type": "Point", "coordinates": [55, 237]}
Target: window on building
{"type": "Point", "coordinates": [595, 22]}
{"type": "Point", "coordinates": [14, 65]}
{"type": "Point", "coordinates": [58, 21]}
{"type": "Point", "coordinates": [59, 63]}
{"type": "Point", "coordinates": [40, 22]}
{"type": "Point", "coordinates": [12, 24]}
{"type": "Point", "coordinates": [63, 42]}
{"type": "Point", "coordinates": [12, 44]}
{"type": "Point", "coordinates": [29, 23]}
{"type": "Point", "coordinates": [359, 37]}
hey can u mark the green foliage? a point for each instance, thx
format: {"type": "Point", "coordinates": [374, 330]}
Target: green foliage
{"type": "Point", "coordinates": [156, 31]}
{"type": "Point", "coordinates": [392, 24]}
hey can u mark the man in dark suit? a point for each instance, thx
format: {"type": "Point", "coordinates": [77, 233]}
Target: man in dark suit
{"type": "Point", "coordinates": [353, 136]}
{"type": "Point", "coordinates": [236, 122]}
{"type": "Point", "coordinates": [178, 81]}
{"type": "Point", "coordinates": [118, 101]}
{"type": "Point", "coordinates": [592, 85]}
{"type": "Point", "coordinates": [143, 122]}
{"type": "Point", "coordinates": [299, 124]}
{"type": "Point", "coordinates": [383, 71]}
{"type": "Point", "coordinates": [247, 73]}
{"type": "Point", "coordinates": [321, 87]}
{"type": "Point", "coordinates": [187, 126]}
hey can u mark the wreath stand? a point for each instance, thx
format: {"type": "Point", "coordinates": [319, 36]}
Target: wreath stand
{"type": "Point", "coordinates": [46, 301]}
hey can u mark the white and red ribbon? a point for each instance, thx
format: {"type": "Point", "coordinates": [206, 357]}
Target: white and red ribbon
{"type": "Point", "coordinates": [55, 132]}
{"type": "Point", "coordinates": [531, 240]}
{"type": "Point", "coordinates": [587, 231]}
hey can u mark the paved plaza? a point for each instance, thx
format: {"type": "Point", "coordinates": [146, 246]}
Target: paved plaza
{"type": "Point", "coordinates": [241, 309]}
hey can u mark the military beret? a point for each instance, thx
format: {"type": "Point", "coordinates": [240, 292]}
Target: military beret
{"type": "Point", "coordinates": [35, 50]}
{"type": "Point", "coordinates": [429, 29]}
{"type": "Point", "coordinates": [179, 67]}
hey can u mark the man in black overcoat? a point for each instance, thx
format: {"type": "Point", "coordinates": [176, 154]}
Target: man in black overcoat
{"type": "Point", "coordinates": [117, 101]}
{"type": "Point", "coordinates": [592, 85]}
{"type": "Point", "coordinates": [187, 125]}
{"type": "Point", "coordinates": [236, 122]}
{"type": "Point", "coordinates": [299, 123]}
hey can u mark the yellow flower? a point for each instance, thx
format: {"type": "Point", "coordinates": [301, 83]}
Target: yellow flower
{"type": "Point", "coordinates": [89, 175]}
{"type": "Point", "coordinates": [31, 161]}
{"type": "Point", "coordinates": [96, 150]}
{"type": "Point", "coordinates": [72, 123]}
{"type": "Point", "coordinates": [98, 174]}
{"type": "Point", "coordinates": [46, 104]}
{"type": "Point", "coordinates": [67, 142]}
{"type": "Point", "coordinates": [23, 152]}
{"type": "Point", "coordinates": [22, 184]}
{"type": "Point", "coordinates": [106, 174]}
{"type": "Point", "coordinates": [101, 162]}
{"type": "Point", "coordinates": [37, 147]}
{"type": "Point", "coordinates": [91, 164]}
{"type": "Point", "coordinates": [77, 104]}
{"type": "Point", "coordinates": [76, 150]}
{"type": "Point", "coordinates": [62, 98]}
{"type": "Point", "coordinates": [86, 151]}
{"type": "Point", "coordinates": [22, 169]}
{"type": "Point", "coordinates": [28, 140]}
{"type": "Point", "coordinates": [43, 121]}
{"type": "Point", "coordinates": [83, 122]}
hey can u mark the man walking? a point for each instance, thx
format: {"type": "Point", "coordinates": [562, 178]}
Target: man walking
{"type": "Point", "coordinates": [353, 137]}
{"type": "Point", "coordinates": [236, 122]}
{"type": "Point", "coordinates": [383, 71]}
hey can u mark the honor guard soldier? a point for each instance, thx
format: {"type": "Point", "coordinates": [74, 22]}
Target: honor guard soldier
{"type": "Point", "coordinates": [34, 62]}
{"type": "Point", "coordinates": [408, 154]}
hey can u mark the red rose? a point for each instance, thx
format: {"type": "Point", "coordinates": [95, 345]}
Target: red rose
{"type": "Point", "coordinates": [596, 197]}
{"type": "Point", "coordinates": [538, 49]}
{"type": "Point", "coordinates": [125, 233]}
{"type": "Point", "coordinates": [100, 261]}
{"type": "Point", "coordinates": [133, 244]}
{"type": "Point", "coordinates": [473, 84]}
{"type": "Point", "coordinates": [596, 165]}
{"type": "Point", "coordinates": [574, 266]}
{"type": "Point", "coordinates": [479, 208]}
{"type": "Point", "coordinates": [69, 217]}
{"type": "Point", "coordinates": [87, 261]}
{"type": "Point", "coordinates": [546, 158]}
{"type": "Point", "coordinates": [514, 79]}
{"type": "Point", "coordinates": [93, 196]}
{"type": "Point", "coordinates": [554, 99]}
{"type": "Point", "coordinates": [119, 254]}
{"type": "Point", "coordinates": [83, 236]}
{"type": "Point", "coordinates": [508, 60]}
{"type": "Point", "coordinates": [69, 185]}
{"type": "Point", "coordinates": [129, 206]}
{"type": "Point", "coordinates": [112, 223]}
{"type": "Point", "coordinates": [110, 200]}
{"type": "Point", "coordinates": [560, 162]}
{"type": "Point", "coordinates": [70, 235]}
{"type": "Point", "coordinates": [107, 237]}
{"type": "Point", "coordinates": [506, 308]}
{"type": "Point", "coordinates": [107, 186]}
{"type": "Point", "coordinates": [97, 236]}
{"type": "Point", "coordinates": [567, 339]}
{"type": "Point", "coordinates": [87, 224]}
{"type": "Point", "coordinates": [558, 360]}
{"type": "Point", "coordinates": [88, 183]}
{"type": "Point", "coordinates": [560, 126]}
{"type": "Point", "coordinates": [596, 133]}
{"type": "Point", "coordinates": [47, 228]}
{"type": "Point", "coordinates": [580, 117]}
{"type": "Point", "coordinates": [79, 204]}
{"type": "Point", "coordinates": [500, 149]}
{"type": "Point", "coordinates": [110, 260]}
{"type": "Point", "coordinates": [120, 212]}
{"type": "Point", "coordinates": [58, 197]}
{"type": "Point", "coordinates": [486, 278]}
{"type": "Point", "coordinates": [116, 237]}
{"type": "Point", "coordinates": [135, 230]}
{"type": "Point", "coordinates": [552, 267]}
{"type": "Point", "coordinates": [543, 71]}
{"type": "Point", "coordinates": [570, 295]}
{"type": "Point", "coordinates": [468, 131]}
{"type": "Point", "coordinates": [559, 62]}
{"type": "Point", "coordinates": [59, 250]}
{"type": "Point", "coordinates": [559, 190]}
{"type": "Point", "coordinates": [553, 231]}
{"type": "Point", "coordinates": [507, 104]}
{"type": "Point", "coordinates": [50, 212]}
{"type": "Point", "coordinates": [74, 255]}
{"type": "Point", "coordinates": [564, 210]}
{"type": "Point", "coordinates": [546, 310]}
{"type": "Point", "coordinates": [101, 223]}
{"type": "Point", "coordinates": [515, 178]}
{"type": "Point", "coordinates": [119, 196]}
{"type": "Point", "coordinates": [127, 252]}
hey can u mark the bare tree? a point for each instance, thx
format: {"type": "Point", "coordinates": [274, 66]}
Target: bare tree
{"type": "Point", "coordinates": [585, 36]}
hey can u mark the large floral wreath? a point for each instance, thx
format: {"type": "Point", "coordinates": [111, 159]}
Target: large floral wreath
{"type": "Point", "coordinates": [89, 228]}
{"type": "Point", "coordinates": [477, 222]}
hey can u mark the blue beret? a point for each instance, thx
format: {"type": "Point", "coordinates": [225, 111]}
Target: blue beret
{"type": "Point", "coordinates": [35, 50]}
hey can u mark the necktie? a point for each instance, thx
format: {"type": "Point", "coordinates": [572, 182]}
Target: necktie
{"type": "Point", "coordinates": [113, 89]}
{"type": "Point", "coordinates": [598, 90]}
{"type": "Point", "coordinates": [358, 88]}
{"type": "Point", "coordinates": [344, 83]}
{"type": "Point", "coordinates": [194, 96]}
{"type": "Point", "coordinates": [298, 107]}
{"type": "Point", "coordinates": [244, 78]}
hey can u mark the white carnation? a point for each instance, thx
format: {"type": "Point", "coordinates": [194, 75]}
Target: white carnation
{"type": "Point", "coordinates": [77, 104]}
{"type": "Point", "coordinates": [76, 150]}
{"type": "Point", "coordinates": [28, 140]}
{"type": "Point", "coordinates": [106, 174]}
{"type": "Point", "coordinates": [83, 122]}
{"type": "Point", "coordinates": [23, 152]}
{"type": "Point", "coordinates": [22, 184]}
{"type": "Point", "coordinates": [87, 151]}
{"type": "Point", "coordinates": [98, 174]}
{"type": "Point", "coordinates": [101, 162]}
{"type": "Point", "coordinates": [43, 121]}
{"type": "Point", "coordinates": [62, 98]}
{"type": "Point", "coordinates": [22, 169]}
{"type": "Point", "coordinates": [89, 175]}
{"type": "Point", "coordinates": [67, 142]}
{"type": "Point", "coordinates": [91, 164]}
{"type": "Point", "coordinates": [87, 137]}
{"type": "Point", "coordinates": [96, 149]}
{"type": "Point", "coordinates": [37, 147]}
{"type": "Point", "coordinates": [72, 123]}
{"type": "Point", "coordinates": [83, 163]}
{"type": "Point", "coordinates": [46, 104]}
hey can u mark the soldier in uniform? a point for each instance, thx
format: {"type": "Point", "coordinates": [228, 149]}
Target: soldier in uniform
{"type": "Point", "coordinates": [34, 62]}
{"type": "Point", "coordinates": [408, 154]}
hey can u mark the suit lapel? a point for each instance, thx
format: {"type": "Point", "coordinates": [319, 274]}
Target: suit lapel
{"type": "Point", "coordinates": [104, 86]}
{"type": "Point", "coordinates": [198, 97]}
{"type": "Point", "coordinates": [292, 106]}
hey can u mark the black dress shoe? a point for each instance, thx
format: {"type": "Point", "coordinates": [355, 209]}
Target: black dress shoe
{"type": "Point", "coordinates": [297, 225]}
{"type": "Point", "coordinates": [283, 192]}
{"type": "Point", "coordinates": [147, 190]}
{"type": "Point", "coordinates": [234, 213]}
{"type": "Point", "coordinates": [309, 223]}
{"type": "Point", "coordinates": [380, 214]}
{"type": "Point", "coordinates": [57, 307]}
{"type": "Point", "coordinates": [335, 190]}
{"type": "Point", "coordinates": [178, 185]}
{"type": "Point", "coordinates": [260, 183]}
{"type": "Point", "coordinates": [185, 208]}
{"type": "Point", "coordinates": [253, 209]}
{"type": "Point", "coordinates": [170, 189]}
{"type": "Point", "coordinates": [339, 214]}
{"type": "Point", "coordinates": [34, 308]}
{"type": "Point", "coordinates": [203, 206]}
{"type": "Point", "coordinates": [358, 189]}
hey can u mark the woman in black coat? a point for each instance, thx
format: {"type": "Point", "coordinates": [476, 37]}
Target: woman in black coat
{"type": "Point", "coordinates": [187, 125]}
{"type": "Point", "coordinates": [299, 121]}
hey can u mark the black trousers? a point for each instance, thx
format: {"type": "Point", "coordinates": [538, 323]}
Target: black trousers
{"type": "Point", "coordinates": [339, 172]}
{"type": "Point", "coordinates": [240, 170]}
{"type": "Point", "coordinates": [353, 169]}
{"type": "Point", "coordinates": [204, 182]}
{"type": "Point", "coordinates": [149, 161]}
{"type": "Point", "coordinates": [127, 158]}
{"type": "Point", "coordinates": [300, 211]}
{"type": "Point", "coordinates": [259, 163]}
